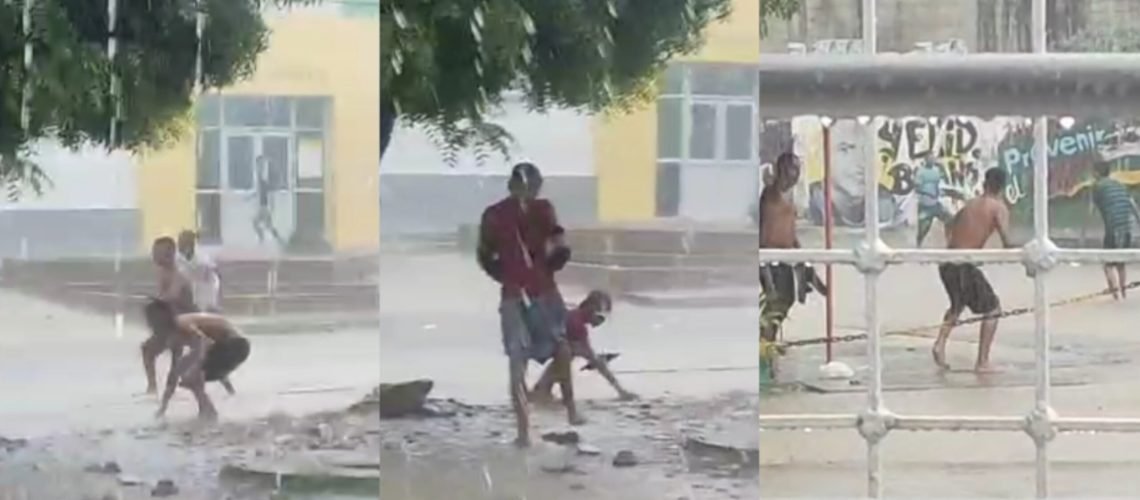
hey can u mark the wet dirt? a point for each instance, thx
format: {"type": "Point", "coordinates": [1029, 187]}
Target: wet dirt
{"type": "Point", "coordinates": [471, 455]}
{"type": "Point", "coordinates": [129, 464]}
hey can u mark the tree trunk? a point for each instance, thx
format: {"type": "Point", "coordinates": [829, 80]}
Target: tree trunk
{"type": "Point", "coordinates": [387, 124]}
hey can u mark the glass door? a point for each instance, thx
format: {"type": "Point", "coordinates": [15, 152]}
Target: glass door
{"type": "Point", "coordinates": [257, 201]}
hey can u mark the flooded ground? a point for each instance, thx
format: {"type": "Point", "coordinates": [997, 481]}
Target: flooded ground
{"type": "Point", "coordinates": [694, 368]}
{"type": "Point", "coordinates": [72, 399]}
{"type": "Point", "coordinates": [1094, 361]}
{"type": "Point", "coordinates": [438, 459]}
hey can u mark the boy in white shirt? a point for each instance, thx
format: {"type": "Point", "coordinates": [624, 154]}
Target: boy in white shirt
{"type": "Point", "coordinates": [201, 271]}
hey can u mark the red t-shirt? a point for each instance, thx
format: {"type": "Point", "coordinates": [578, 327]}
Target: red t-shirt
{"type": "Point", "coordinates": [577, 326]}
{"type": "Point", "coordinates": [503, 225]}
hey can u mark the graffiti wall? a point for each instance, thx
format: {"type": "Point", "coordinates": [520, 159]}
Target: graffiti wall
{"type": "Point", "coordinates": [962, 149]}
{"type": "Point", "coordinates": [1072, 152]}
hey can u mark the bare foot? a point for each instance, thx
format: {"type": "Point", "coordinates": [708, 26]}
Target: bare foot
{"type": "Point", "coordinates": [985, 369]}
{"type": "Point", "coordinates": [151, 390]}
{"type": "Point", "coordinates": [207, 417]}
{"type": "Point", "coordinates": [939, 355]}
{"type": "Point", "coordinates": [541, 398]}
{"type": "Point", "coordinates": [522, 441]}
{"type": "Point", "coordinates": [575, 419]}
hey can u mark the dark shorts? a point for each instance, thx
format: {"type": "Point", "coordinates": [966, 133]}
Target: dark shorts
{"type": "Point", "coordinates": [967, 287]}
{"type": "Point", "coordinates": [224, 357]}
{"type": "Point", "coordinates": [1117, 239]}
{"type": "Point", "coordinates": [534, 330]}
{"type": "Point", "coordinates": [778, 281]}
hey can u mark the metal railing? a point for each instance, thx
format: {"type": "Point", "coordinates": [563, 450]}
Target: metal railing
{"type": "Point", "coordinates": [872, 256]}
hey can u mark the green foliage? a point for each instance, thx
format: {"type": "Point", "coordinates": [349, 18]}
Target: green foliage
{"type": "Point", "coordinates": [1102, 39]}
{"type": "Point", "coordinates": [71, 98]}
{"type": "Point", "coordinates": [447, 63]}
{"type": "Point", "coordinates": [776, 9]}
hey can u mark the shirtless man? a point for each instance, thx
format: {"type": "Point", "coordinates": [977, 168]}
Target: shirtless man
{"type": "Point", "coordinates": [216, 350]}
{"type": "Point", "coordinates": [965, 284]}
{"type": "Point", "coordinates": [174, 292]}
{"type": "Point", "coordinates": [778, 230]}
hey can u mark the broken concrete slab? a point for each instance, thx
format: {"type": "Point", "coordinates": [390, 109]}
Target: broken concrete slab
{"type": "Point", "coordinates": [11, 445]}
{"type": "Point", "coordinates": [317, 470]}
{"type": "Point", "coordinates": [164, 488]}
{"type": "Point", "coordinates": [717, 449]}
{"type": "Point", "coordinates": [625, 458]}
{"type": "Point", "coordinates": [562, 438]}
{"type": "Point", "coordinates": [398, 400]}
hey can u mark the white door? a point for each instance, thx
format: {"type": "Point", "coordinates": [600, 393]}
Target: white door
{"type": "Point", "coordinates": [719, 179]}
{"type": "Point", "coordinates": [241, 200]}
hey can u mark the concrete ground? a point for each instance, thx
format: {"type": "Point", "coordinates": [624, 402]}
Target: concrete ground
{"type": "Point", "coordinates": [695, 369]}
{"type": "Point", "coordinates": [1095, 352]}
{"type": "Point", "coordinates": [71, 384]}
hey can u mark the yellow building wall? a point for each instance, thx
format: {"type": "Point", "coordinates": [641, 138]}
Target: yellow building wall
{"type": "Point", "coordinates": [625, 145]}
{"type": "Point", "coordinates": [309, 54]}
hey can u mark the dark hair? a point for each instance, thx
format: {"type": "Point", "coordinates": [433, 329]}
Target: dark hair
{"type": "Point", "coordinates": [1103, 168]}
{"type": "Point", "coordinates": [159, 317]}
{"type": "Point", "coordinates": [163, 240]}
{"type": "Point", "coordinates": [784, 163]}
{"type": "Point", "coordinates": [787, 159]}
{"type": "Point", "coordinates": [598, 298]}
{"type": "Point", "coordinates": [524, 174]}
{"type": "Point", "coordinates": [995, 179]}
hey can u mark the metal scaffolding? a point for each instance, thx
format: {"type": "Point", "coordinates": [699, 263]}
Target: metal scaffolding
{"type": "Point", "coordinates": [808, 87]}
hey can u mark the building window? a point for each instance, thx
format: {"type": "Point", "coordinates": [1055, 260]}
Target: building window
{"type": "Point", "coordinates": [706, 122]}
{"type": "Point", "coordinates": [291, 134]}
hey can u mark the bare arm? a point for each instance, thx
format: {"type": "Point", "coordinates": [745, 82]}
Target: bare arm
{"type": "Point", "coordinates": [604, 369]}
{"type": "Point", "coordinates": [1001, 222]}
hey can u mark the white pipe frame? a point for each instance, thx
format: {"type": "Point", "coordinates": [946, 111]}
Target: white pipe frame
{"type": "Point", "coordinates": [871, 256]}
{"type": "Point", "coordinates": [112, 51]}
{"type": "Point", "coordinates": [26, 96]}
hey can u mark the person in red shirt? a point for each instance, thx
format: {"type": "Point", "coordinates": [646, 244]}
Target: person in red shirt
{"type": "Point", "coordinates": [591, 312]}
{"type": "Point", "coordinates": [521, 246]}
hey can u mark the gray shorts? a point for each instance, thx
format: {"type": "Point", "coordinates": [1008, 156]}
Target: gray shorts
{"type": "Point", "coordinates": [532, 332]}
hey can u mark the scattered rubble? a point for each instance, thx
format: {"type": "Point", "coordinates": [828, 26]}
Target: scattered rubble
{"type": "Point", "coordinates": [625, 458]}
{"type": "Point", "coordinates": [111, 467]}
{"type": "Point", "coordinates": [164, 488]}
{"type": "Point", "coordinates": [562, 438]}
{"type": "Point", "coordinates": [11, 445]}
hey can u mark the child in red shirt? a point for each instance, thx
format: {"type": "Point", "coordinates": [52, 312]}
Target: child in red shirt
{"type": "Point", "coordinates": [591, 312]}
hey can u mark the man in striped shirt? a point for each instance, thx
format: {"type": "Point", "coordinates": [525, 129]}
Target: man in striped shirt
{"type": "Point", "coordinates": [1116, 208]}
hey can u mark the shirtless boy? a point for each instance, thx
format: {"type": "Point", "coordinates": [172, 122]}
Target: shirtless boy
{"type": "Point", "coordinates": [216, 349]}
{"type": "Point", "coordinates": [778, 230]}
{"type": "Point", "coordinates": [965, 284]}
{"type": "Point", "coordinates": [174, 293]}
{"type": "Point", "coordinates": [590, 313]}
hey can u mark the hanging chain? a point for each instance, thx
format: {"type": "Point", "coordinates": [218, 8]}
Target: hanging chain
{"type": "Point", "coordinates": [917, 331]}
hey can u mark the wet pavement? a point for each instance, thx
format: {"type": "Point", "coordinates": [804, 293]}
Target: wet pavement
{"type": "Point", "coordinates": [694, 367]}
{"type": "Point", "coordinates": [696, 370]}
{"type": "Point", "coordinates": [1094, 361]}
{"type": "Point", "coordinates": [72, 383]}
